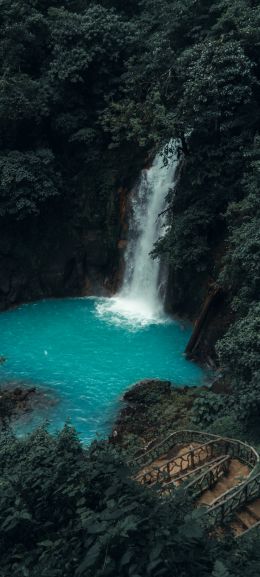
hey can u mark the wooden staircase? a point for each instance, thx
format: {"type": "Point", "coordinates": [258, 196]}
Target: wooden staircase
{"type": "Point", "coordinates": [219, 473]}
{"type": "Point", "coordinates": [237, 473]}
{"type": "Point", "coordinates": [246, 518]}
{"type": "Point", "coordinates": [189, 462]}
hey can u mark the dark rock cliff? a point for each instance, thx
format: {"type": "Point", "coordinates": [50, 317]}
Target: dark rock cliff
{"type": "Point", "coordinates": [75, 246]}
{"type": "Point", "coordinates": [46, 258]}
{"type": "Point", "coordinates": [209, 312]}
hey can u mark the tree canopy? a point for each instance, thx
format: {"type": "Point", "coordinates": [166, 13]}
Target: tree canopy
{"type": "Point", "coordinates": [86, 88]}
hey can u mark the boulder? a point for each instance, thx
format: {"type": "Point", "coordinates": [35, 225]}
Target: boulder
{"type": "Point", "coordinates": [147, 391]}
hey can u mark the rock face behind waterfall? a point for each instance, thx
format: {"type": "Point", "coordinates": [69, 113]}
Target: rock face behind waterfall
{"type": "Point", "coordinates": [44, 261]}
{"type": "Point", "coordinates": [74, 246]}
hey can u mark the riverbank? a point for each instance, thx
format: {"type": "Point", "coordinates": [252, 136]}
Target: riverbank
{"type": "Point", "coordinates": [18, 399]}
{"type": "Point", "coordinates": [152, 408]}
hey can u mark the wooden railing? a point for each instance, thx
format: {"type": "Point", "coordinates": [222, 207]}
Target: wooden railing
{"type": "Point", "coordinates": [176, 438]}
{"type": "Point", "coordinates": [210, 477]}
{"type": "Point", "coordinates": [203, 478]}
{"type": "Point", "coordinates": [236, 449]}
{"type": "Point", "coordinates": [222, 509]}
{"type": "Point", "coordinates": [179, 464]}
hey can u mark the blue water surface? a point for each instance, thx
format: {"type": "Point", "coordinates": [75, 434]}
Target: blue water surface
{"type": "Point", "coordinates": [87, 361]}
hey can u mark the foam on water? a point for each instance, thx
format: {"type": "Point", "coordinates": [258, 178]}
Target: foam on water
{"type": "Point", "coordinates": [141, 298]}
{"type": "Point", "coordinates": [132, 312]}
{"type": "Point", "coordinates": [143, 280]}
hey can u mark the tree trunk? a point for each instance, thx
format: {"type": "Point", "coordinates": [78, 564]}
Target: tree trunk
{"type": "Point", "coordinates": [214, 292]}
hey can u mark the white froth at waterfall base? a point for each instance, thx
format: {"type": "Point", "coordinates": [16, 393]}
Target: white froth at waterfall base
{"type": "Point", "coordinates": [137, 312]}
{"type": "Point", "coordinates": [141, 299]}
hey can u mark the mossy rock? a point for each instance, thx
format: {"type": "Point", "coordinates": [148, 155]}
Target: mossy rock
{"type": "Point", "coordinates": [148, 392]}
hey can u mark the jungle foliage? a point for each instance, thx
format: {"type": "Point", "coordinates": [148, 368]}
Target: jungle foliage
{"type": "Point", "coordinates": [59, 64]}
{"type": "Point", "coordinates": [66, 512]}
{"type": "Point", "coordinates": [197, 81]}
{"type": "Point", "coordinates": [88, 83]}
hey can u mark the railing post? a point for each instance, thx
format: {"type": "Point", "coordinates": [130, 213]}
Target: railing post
{"type": "Point", "coordinates": [222, 511]}
{"type": "Point", "coordinates": [192, 458]}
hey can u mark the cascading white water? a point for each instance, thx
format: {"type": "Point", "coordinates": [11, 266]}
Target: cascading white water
{"type": "Point", "coordinates": [140, 299]}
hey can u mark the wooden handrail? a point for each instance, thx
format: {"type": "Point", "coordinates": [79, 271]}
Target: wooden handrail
{"type": "Point", "coordinates": [224, 506]}
{"type": "Point", "coordinates": [245, 452]}
{"type": "Point", "coordinates": [220, 467]}
{"type": "Point", "coordinates": [165, 469]}
{"type": "Point", "coordinates": [206, 469]}
{"type": "Point", "coordinates": [231, 501]}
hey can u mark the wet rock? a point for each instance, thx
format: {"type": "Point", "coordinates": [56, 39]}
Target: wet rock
{"type": "Point", "coordinates": [221, 387]}
{"type": "Point", "coordinates": [96, 248]}
{"type": "Point", "coordinates": [151, 409]}
{"type": "Point", "coordinates": [17, 399]}
{"type": "Point", "coordinates": [132, 419]}
{"type": "Point", "coordinates": [47, 260]}
{"type": "Point", "coordinates": [122, 244]}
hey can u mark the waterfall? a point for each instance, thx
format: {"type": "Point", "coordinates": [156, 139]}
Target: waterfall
{"type": "Point", "coordinates": [140, 299]}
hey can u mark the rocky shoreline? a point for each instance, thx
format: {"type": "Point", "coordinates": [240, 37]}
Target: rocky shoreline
{"type": "Point", "coordinates": [17, 399]}
{"type": "Point", "coordinates": [152, 408]}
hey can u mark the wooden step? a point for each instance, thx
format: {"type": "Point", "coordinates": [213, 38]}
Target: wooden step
{"type": "Point", "coordinates": [256, 526]}
{"type": "Point", "coordinates": [254, 507]}
{"type": "Point", "coordinates": [237, 472]}
{"type": "Point", "coordinates": [250, 511]}
{"type": "Point", "coordinates": [246, 518]}
{"type": "Point", "coordinates": [238, 526]}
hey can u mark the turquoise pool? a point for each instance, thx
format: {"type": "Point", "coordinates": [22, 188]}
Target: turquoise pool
{"type": "Point", "coordinates": [86, 357]}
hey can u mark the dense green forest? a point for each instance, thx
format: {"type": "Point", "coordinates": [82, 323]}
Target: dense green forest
{"type": "Point", "coordinates": [88, 84]}
{"type": "Point", "coordinates": [68, 512]}
{"type": "Point", "coordinates": [89, 92]}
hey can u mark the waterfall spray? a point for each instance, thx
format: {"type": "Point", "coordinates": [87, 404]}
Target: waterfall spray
{"type": "Point", "coordinates": [140, 299]}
